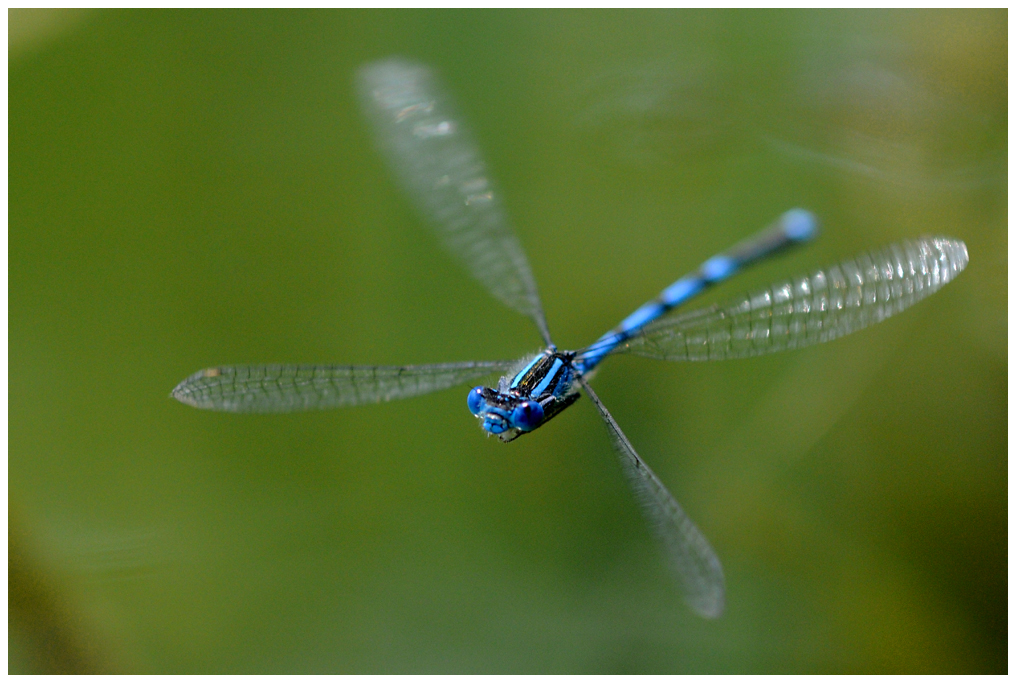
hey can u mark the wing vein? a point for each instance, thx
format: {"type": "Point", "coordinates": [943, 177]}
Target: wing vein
{"type": "Point", "coordinates": [690, 557]}
{"type": "Point", "coordinates": [289, 388]}
{"type": "Point", "coordinates": [806, 310]}
{"type": "Point", "coordinates": [439, 165]}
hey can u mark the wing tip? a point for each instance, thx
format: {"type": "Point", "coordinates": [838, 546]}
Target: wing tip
{"type": "Point", "coordinates": [184, 391]}
{"type": "Point", "coordinates": [182, 394]}
{"type": "Point", "coordinates": [397, 74]}
{"type": "Point", "coordinates": [956, 251]}
{"type": "Point", "coordinates": [709, 607]}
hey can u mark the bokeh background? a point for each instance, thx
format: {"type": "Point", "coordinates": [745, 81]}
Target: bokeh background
{"type": "Point", "coordinates": [195, 188]}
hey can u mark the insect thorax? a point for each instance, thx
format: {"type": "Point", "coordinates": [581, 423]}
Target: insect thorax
{"type": "Point", "coordinates": [523, 402]}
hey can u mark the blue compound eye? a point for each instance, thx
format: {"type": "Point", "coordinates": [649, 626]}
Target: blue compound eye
{"type": "Point", "coordinates": [528, 416]}
{"type": "Point", "coordinates": [475, 399]}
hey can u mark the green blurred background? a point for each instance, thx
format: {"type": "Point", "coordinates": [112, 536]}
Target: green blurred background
{"type": "Point", "coordinates": [195, 188]}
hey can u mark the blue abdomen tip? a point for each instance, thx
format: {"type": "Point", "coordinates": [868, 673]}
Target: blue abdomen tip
{"type": "Point", "coordinates": [800, 225]}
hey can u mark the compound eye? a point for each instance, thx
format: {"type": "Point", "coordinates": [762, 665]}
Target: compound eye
{"type": "Point", "coordinates": [475, 399]}
{"type": "Point", "coordinates": [528, 416]}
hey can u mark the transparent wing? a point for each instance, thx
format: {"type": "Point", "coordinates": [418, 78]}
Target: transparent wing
{"type": "Point", "coordinates": [284, 389]}
{"type": "Point", "coordinates": [830, 303]}
{"type": "Point", "coordinates": [691, 558]}
{"type": "Point", "coordinates": [439, 166]}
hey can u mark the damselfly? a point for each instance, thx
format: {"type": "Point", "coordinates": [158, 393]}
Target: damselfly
{"type": "Point", "coordinates": [440, 167]}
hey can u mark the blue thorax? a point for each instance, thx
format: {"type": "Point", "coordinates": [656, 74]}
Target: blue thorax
{"type": "Point", "coordinates": [542, 389]}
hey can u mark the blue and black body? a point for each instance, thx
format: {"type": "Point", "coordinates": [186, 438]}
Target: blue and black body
{"type": "Point", "coordinates": [541, 390]}
{"type": "Point", "coordinates": [546, 385]}
{"type": "Point", "coordinates": [440, 168]}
